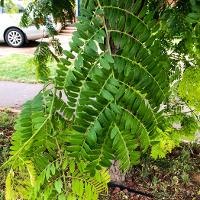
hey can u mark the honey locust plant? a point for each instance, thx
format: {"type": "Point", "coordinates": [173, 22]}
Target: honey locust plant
{"type": "Point", "coordinates": [104, 105]}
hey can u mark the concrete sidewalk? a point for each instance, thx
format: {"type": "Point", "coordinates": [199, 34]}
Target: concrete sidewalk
{"type": "Point", "coordinates": [14, 95]}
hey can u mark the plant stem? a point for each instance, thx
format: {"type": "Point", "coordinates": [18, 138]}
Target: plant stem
{"type": "Point", "coordinates": [106, 30]}
{"type": "Point", "coordinates": [61, 160]}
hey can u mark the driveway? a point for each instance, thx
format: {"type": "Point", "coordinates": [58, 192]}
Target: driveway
{"type": "Point", "coordinates": [27, 50]}
{"type": "Point", "coordinates": [64, 38]}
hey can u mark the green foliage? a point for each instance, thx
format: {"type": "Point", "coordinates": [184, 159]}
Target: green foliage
{"type": "Point", "coordinates": [6, 119]}
{"type": "Point", "coordinates": [47, 12]}
{"type": "Point", "coordinates": [111, 88]}
{"type": "Point", "coordinates": [42, 57]}
{"type": "Point", "coordinates": [182, 28]}
{"type": "Point", "coordinates": [104, 105]}
{"type": "Point", "coordinates": [183, 127]}
{"type": "Point", "coordinates": [54, 181]}
{"type": "Point", "coordinates": [180, 23]}
{"type": "Point", "coordinates": [41, 168]}
{"type": "Point", "coordinates": [189, 87]}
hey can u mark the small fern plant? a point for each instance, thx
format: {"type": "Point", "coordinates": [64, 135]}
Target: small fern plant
{"type": "Point", "coordinates": [103, 105]}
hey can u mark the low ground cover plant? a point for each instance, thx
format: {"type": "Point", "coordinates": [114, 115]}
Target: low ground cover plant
{"type": "Point", "coordinates": [7, 120]}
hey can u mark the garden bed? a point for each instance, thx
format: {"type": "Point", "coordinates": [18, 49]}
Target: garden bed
{"type": "Point", "coordinates": [7, 119]}
{"type": "Point", "coordinates": [176, 178]}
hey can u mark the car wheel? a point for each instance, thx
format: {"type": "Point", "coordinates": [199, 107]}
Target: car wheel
{"type": "Point", "coordinates": [14, 37]}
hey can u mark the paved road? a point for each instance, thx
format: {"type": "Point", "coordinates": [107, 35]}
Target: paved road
{"type": "Point", "coordinates": [14, 95]}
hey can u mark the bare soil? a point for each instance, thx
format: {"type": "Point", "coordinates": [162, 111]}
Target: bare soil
{"type": "Point", "coordinates": [175, 178]}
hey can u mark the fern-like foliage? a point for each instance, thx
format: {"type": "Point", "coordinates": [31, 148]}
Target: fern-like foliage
{"type": "Point", "coordinates": [117, 83]}
{"type": "Point", "coordinates": [104, 104]}
{"type": "Point", "coordinates": [73, 178]}
{"type": "Point", "coordinates": [19, 185]}
{"type": "Point", "coordinates": [54, 181]}
{"type": "Point", "coordinates": [40, 167]}
{"type": "Point", "coordinates": [43, 55]}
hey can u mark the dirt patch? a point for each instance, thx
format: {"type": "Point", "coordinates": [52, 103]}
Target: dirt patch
{"type": "Point", "coordinates": [176, 178]}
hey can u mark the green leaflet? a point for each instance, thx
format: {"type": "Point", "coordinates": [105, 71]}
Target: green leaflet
{"type": "Point", "coordinates": [189, 87]}
{"type": "Point", "coordinates": [58, 185]}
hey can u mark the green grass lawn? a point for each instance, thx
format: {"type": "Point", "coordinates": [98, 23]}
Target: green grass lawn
{"type": "Point", "coordinates": [17, 67]}
{"type": "Point", "coordinates": [20, 68]}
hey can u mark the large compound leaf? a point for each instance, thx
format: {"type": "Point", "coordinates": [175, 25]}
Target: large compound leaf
{"type": "Point", "coordinates": [117, 83]}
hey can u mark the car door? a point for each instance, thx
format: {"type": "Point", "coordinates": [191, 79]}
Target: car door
{"type": "Point", "coordinates": [7, 21]}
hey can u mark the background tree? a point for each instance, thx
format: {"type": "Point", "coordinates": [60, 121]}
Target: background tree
{"type": "Point", "coordinates": [43, 12]}
{"type": "Point", "coordinates": [181, 27]}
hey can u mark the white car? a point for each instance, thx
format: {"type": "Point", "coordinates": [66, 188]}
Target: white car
{"type": "Point", "coordinates": [14, 35]}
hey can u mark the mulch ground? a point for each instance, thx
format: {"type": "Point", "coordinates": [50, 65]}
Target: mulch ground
{"type": "Point", "coordinates": [175, 178]}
